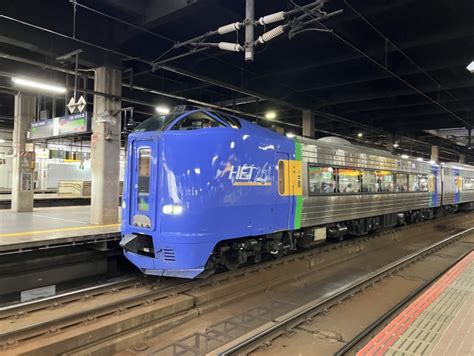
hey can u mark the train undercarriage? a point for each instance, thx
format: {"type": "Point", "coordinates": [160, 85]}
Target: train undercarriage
{"type": "Point", "coordinates": [231, 254]}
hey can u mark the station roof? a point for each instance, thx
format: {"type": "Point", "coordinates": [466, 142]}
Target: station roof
{"type": "Point", "coordinates": [391, 70]}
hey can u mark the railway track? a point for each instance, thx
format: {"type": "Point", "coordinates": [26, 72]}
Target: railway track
{"type": "Point", "coordinates": [354, 345]}
{"type": "Point", "coordinates": [288, 322]}
{"type": "Point", "coordinates": [127, 306]}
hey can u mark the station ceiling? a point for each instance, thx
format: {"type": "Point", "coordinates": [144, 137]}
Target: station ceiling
{"type": "Point", "coordinates": [394, 70]}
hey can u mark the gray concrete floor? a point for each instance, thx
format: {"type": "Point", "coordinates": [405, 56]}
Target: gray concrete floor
{"type": "Point", "coordinates": [46, 196]}
{"type": "Point", "coordinates": [48, 225]}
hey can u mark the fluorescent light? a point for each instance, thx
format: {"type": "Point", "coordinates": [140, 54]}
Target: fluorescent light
{"type": "Point", "coordinates": [270, 115]}
{"type": "Point", "coordinates": [2, 140]}
{"type": "Point", "coordinates": [396, 145]}
{"type": "Point", "coordinates": [419, 159]}
{"type": "Point", "coordinates": [433, 162]}
{"type": "Point", "coordinates": [360, 134]}
{"type": "Point", "coordinates": [162, 110]}
{"type": "Point", "coordinates": [290, 135]}
{"type": "Point", "coordinates": [405, 156]}
{"type": "Point", "coordinates": [470, 67]}
{"type": "Point", "coordinates": [38, 85]}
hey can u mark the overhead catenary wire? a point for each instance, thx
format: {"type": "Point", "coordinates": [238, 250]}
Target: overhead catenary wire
{"type": "Point", "coordinates": [124, 55]}
{"type": "Point", "coordinates": [381, 66]}
{"type": "Point", "coordinates": [399, 50]}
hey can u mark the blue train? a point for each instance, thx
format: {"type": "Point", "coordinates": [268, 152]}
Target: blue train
{"type": "Point", "coordinates": [205, 190]}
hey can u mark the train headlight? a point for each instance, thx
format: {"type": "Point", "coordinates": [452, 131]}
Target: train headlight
{"type": "Point", "coordinates": [171, 209]}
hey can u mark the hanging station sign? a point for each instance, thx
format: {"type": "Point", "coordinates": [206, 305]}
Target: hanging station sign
{"type": "Point", "coordinates": [67, 125]}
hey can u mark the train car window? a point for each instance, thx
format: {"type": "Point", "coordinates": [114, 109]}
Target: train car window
{"type": "Point", "coordinates": [423, 182]}
{"type": "Point", "coordinates": [321, 180]}
{"type": "Point", "coordinates": [349, 180]}
{"type": "Point", "coordinates": [401, 182]}
{"type": "Point", "coordinates": [369, 182]}
{"type": "Point", "coordinates": [231, 121]}
{"type": "Point", "coordinates": [156, 123]}
{"type": "Point", "coordinates": [195, 121]}
{"type": "Point", "coordinates": [281, 177]}
{"type": "Point", "coordinates": [468, 184]}
{"type": "Point", "coordinates": [144, 161]}
{"type": "Point", "coordinates": [413, 184]}
{"type": "Point", "coordinates": [385, 181]}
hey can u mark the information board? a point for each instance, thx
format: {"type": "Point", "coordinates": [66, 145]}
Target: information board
{"type": "Point", "coordinates": [61, 126]}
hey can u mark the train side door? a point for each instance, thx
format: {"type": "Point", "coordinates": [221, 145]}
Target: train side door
{"type": "Point", "coordinates": [284, 194]}
{"type": "Point", "coordinates": [143, 175]}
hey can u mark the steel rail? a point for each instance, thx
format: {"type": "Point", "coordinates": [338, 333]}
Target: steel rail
{"type": "Point", "coordinates": [67, 321]}
{"type": "Point", "coordinates": [395, 309]}
{"type": "Point", "coordinates": [67, 297]}
{"type": "Point", "coordinates": [174, 288]}
{"type": "Point", "coordinates": [287, 322]}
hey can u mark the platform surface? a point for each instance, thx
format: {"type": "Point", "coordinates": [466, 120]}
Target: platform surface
{"type": "Point", "coordinates": [46, 196]}
{"type": "Point", "coordinates": [439, 322]}
{"type": "Point", "coordinates": [45, 226]}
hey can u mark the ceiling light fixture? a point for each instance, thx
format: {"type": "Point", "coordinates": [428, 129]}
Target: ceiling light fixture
{"type": "Point", "coordinates": [38, 85]}
{"type": "Point", "coordinates": [396, 145]}
{"type": "Point", "coordinates": [290, 135]}
{"type": "Point", "coordinates": [360, 134]}
{"type": "Point", "coordinates": [405, 156]}
{"type": "Point", "coordinates": [270, 115]}
{"type": "Point", "coordinates": [162, 110]}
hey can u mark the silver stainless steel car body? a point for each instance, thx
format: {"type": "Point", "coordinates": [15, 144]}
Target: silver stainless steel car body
{"type": "Point", "coordinates": [454, 176]}
{"type": "Point", "coordinates": [331, 208]}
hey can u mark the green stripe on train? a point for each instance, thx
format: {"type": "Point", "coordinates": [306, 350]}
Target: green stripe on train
{"type": "Point", "coordinates": [299, 198]}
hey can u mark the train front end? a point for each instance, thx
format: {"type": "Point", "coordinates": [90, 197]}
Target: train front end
{"type": "Point", "coordinates": [199, 179]}
{"type": "Point", "coordinates": [152, 201]}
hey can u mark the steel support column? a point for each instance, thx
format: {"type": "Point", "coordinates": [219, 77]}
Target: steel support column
{"type": "Point", "coordinates": [249, 30]}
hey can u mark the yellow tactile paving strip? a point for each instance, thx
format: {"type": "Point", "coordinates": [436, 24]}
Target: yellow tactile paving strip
{"type": "Point", "coordinates": [89, 227]}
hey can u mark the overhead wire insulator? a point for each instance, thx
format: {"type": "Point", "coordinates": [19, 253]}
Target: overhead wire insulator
{"type": "Point", "coordinates": [229, 28]}
{"type": "Point", "coordinates": [232, 47]}
{"type": "Point", "coordinates": [277, 16]}
{"type": "Point", "coordinates": [270, 35]}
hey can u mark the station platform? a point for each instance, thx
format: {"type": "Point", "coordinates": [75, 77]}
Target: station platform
{"type": "Point", "coordinates": [44, 199]}
{"type": "Point", "coordinates": [51, 227]}
{"type": "Point", "coordinates": [39, 191]}
{"type": "Point", "coordinates": [438, 322]}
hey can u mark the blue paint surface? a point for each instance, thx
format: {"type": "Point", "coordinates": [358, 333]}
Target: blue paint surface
{"type": "Point", "coordinates": [434, 195]}
{"type": "Point", "coordinates": [224, 179]}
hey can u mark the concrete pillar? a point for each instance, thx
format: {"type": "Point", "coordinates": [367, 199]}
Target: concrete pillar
{"type": "Point", "coordinates": [308, 123]}
{"type": "Point", "coordinates": [435, 153]}
{"type": "Point", "coordinates": [22, 175]}
{"type": "Point", "coordinates": [462, 158]}
{"type": "Point", "coordinates": [390, 143]}
{"type": "Point", "coordinates": [105, 147]}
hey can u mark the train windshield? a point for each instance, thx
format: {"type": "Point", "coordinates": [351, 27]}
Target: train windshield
{"type": "Point", "coordinates": [156, 123]}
